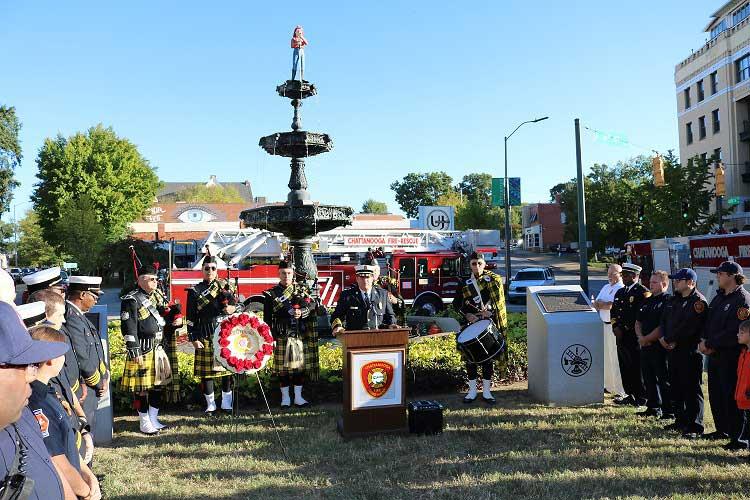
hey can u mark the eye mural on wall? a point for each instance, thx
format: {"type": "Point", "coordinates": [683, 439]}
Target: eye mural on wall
{"type": "Point", "coordinates": [196, 214]}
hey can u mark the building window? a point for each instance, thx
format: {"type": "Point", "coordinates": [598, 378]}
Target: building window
{"type": "Point", "coordinates": [719, 28]}
{"type": "Point", "coordinates": [717, 154]}
{"type": "Point", "coordinates": [715, 121]}
{"type": "Point", "coordinates": [714, 82]}
{"type": "Point", "coordinates": [702, 127]}
{"type": "Point", "coordinates": [701, 95]}
{"type": "Point", "coordinates": [741, 14]}
{"type": "Point", "coordinates": [689, 132]}
{"type": "Point", "coordinates": [743, 68]}
{"type": "Point", "coordinates": [687, 98]}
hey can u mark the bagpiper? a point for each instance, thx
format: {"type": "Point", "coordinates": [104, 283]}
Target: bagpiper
{"type": "Point", "coordinates": [207, 303]}
{"type": "Point", "coordinates": [290, 309]}
{"type": "Point", "coordinates": [142, 314]}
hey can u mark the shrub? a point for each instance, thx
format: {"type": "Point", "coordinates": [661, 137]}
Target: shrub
{"type": "Point", "coordinates": [434, 366]}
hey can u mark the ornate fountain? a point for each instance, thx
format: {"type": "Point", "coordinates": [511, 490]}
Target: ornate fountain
{"type": "Point", "coordinates": [299, 218]}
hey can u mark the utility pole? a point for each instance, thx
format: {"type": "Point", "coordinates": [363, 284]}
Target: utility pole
{"type": "Point", "coordinates": [582, 248]}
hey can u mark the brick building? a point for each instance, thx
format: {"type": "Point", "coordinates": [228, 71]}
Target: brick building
{"type": "Point", "coordinates": [542, 226]}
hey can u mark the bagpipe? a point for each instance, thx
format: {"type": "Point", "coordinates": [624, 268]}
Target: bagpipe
{"type": "Point", "coordinates": [171, 311]}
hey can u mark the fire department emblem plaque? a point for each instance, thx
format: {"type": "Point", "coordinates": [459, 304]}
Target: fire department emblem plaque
{"type": "Point", "coordinates": [576, 360]}
{"type": "Point", "coordinates": [377, 377]}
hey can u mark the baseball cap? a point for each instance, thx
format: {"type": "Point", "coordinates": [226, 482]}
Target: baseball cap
{"type": "Point", "coordinates": [728, 267]}
{"type": "Point", "coordinates": [16, 345]}
{"type": "Point", "coordinates": [684, 274]}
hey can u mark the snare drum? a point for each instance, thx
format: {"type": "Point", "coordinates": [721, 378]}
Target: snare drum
{"type": "Point", "coordinates": [480, 342]}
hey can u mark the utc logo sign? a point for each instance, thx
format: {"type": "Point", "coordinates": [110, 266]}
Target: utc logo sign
{"type": "Point", "coordinates": [438, 220]}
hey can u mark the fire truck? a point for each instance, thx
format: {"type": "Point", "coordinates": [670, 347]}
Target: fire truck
{"type": "Point", "coordinates": [702, 253]}
{"type": "Point", "coordinates": [429, 272]}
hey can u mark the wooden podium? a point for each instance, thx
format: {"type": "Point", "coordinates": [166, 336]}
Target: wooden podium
{"type": "Point", "coordinates": [374, 382]}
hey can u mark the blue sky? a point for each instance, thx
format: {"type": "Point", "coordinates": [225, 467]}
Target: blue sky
{"type": "Point", "coordinates": [403, 86]}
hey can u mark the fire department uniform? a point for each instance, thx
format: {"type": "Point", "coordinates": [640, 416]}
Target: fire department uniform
{"type": "Point", "coordinates": [682, 323]}
{"type": "Point", "coordinates": [59, 437]}
{"type": "Point", "coordinates": [654, 357]}
{"type": "Point", "coordinates": [628, 301]}
{"type": "Point", "coordinates": [725, 313]}
{"type": "Point", "coordinates": [87, 346]}
{"type": "Point", "coordinates": [360, 310]}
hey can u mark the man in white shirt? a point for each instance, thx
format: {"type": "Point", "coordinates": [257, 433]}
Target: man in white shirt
{"type": "Point", "coordinates": [603, 304]}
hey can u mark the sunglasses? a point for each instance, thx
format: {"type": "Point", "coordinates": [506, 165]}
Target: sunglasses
{"type": "Point", "coordinates": [209, 268]}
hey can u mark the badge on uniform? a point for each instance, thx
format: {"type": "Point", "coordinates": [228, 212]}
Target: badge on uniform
{"type": "Point", "coordinates": [743, 313]}
{"type": "Point", "coordinates": [646, 294]}
{"type": "Point", "coordinates": [43, 422]}
{"type": "Point", "coordinates": [124, 315]}
{"type": "Point", "coordinates": [699, 307]}
{"type": "Point", "coordinates": [632, 299]}
{"type": "Point", "coordinates": [726, 307]}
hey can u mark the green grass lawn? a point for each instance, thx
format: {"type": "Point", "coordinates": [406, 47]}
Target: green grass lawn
{"type": "Point", "coordinates": [518, 449]}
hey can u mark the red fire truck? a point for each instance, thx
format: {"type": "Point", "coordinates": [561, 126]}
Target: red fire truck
{"type": "Point", "coordinates": [428, 280]}
{"type": "Point", "coordinates": [702, 253]}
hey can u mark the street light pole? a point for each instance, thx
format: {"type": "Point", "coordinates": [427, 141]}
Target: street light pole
{"type": "Point", "coordinates": [506, 200]}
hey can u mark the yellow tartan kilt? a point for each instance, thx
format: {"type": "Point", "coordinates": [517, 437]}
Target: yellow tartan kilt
{"type": "Point", "coordinates": [204, 362]}
{"type": "Point", "coordinates": [137, 379]}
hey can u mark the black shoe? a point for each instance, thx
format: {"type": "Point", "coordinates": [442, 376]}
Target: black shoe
{"type": "Point", "coordinates": [627, 400]}
{"type": "Point", "coordinates": [715, 435]}
{"type": "Point", "coordinates": [639, 402]}
{"type": "Point", "coordinates": [691, 435]}
{"type": "Point", "coordinates": [489, 401]}
{"type": "Point", "coordinates": [673, 427]}
{"type": "Point", "coordinates": [735, 445]}
{"type": "Point", "coordinates": [650, 412]}
{"type": "Point", "coordinates": [286, 407]}
{"type": "Point", "coordinates": [468, 400]}
{"type": "Point", "coordinates": [666, 416]}
{"type": "Point", "coordinates": [303, 405]}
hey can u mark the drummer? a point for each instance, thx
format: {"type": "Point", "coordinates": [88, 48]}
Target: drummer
{"type": "Point", "coordinates": [481, 297]}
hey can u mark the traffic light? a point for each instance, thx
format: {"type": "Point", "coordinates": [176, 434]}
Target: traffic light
{"type": "Point", "coordinates": [684, 209]}
{"type": "Point", "coordinates": [657, 166]}
{"type": "Point", "coordinates": [640, 213]}
{"type": "Point", "coordinates": [721, 187]}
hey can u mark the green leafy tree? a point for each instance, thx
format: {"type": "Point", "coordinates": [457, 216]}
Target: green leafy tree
{"type": "Point", "coordinates": [208, 194]}
{"type": "Point", "coordinates": [477, 188]}
{"type": "Point", "coordinates": [33, 248]}
{"type": "Point", "coordinates": [421, 189]}
{"type": "Point", "coordinates": [371, 206]}
{"type": "Point", "coordinates": [80, 234]}
{"type": "Point", "coordinates": [119, 182]}
{"type": "Point", "coordinates": [117, 258]}
{"type": "Point", "coordinates": [10, 154]}
{"type": "Point", "coordinates": [616, 195]}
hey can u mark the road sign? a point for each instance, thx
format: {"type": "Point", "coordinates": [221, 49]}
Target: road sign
{"type": "Point", "coordinates": [498, 191]}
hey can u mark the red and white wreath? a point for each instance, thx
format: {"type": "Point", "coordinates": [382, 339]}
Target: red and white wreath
{"type": "Point", "coordinates": [243, 343]}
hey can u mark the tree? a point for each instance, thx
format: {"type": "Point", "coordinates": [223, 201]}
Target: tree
{"type": "Point", "coordinates": [209, 194]}
{"type": "Point", "coordinates": [119, 182]}
{"type": "Point", "coordinates": [117, 257]}
{"type": "Point", "coordinates": [80, 234]}
{"type": "Point", "coordinates": [10, 154]}
{"type": "Point", "coordinates": [33, 249]}
{"type": "Point", "coordinates": [477, 188]}
{"type": "Point", "coordinates": [371, 206]}
{"type": "Point", "coordinates": [615, 196]}
{"type": "Point", "coordinates": [421, 189]}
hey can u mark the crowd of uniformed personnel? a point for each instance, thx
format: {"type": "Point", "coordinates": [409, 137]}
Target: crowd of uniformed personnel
{"type": "Point", "coordinates": [663, 339]}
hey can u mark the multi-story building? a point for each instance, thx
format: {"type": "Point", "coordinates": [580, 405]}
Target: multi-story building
{"type": "Point", "coordinates": [543, 226]}
{"type": "Point", "coordinates": [713, 104]}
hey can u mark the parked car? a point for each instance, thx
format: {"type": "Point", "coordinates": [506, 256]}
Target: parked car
{"type": "Point", "coordinates": [16, 273]}
{"type": "Point", "coordinates": [526, 277]}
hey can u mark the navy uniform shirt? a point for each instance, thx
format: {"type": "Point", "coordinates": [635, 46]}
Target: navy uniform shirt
{"type": "Point", "coordinates": [39, 466]}
{"type": "Point", "coordinates": [725, 313]}
{"type": "Point", "coordinates": [59, 437]}
{"type": "Point", "coordinates": [352, 310]}
{"type": "Point", "coordinates": [87, 346]}
{"type": "Point", "coordinates": [650, 315]}
{"type": "Point", "coordinates": [684, 319]}
{"type": "Point", "coordinates": [627, 303]}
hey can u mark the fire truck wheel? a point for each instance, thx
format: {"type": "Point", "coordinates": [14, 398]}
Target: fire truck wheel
{"type": "Point", "coordinates": [428, 306]}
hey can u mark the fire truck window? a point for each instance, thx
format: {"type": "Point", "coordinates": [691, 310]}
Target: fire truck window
{"type": "Point", "coordinates": [407, 268]}
{"type": "Point", "coordinates": [422, 266]}
{"type": "Point", "coordinates": [449, 267]}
